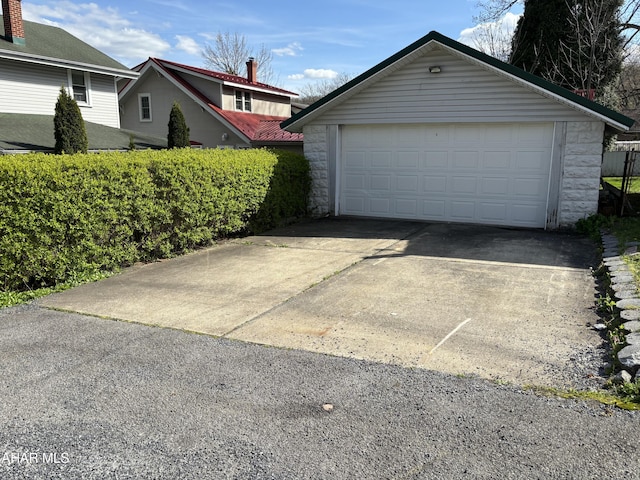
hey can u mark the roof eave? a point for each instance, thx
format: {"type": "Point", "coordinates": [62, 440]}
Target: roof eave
{"type": "Point", "coordinates": [541, 86]}
{"type": "Point", "coordinates": [61, 63]}
{"type": "Point", "coordinates": [255, 88]}
{"type": "Point", "coordinates": [247, 86]}
{"type": "Point", "coordinates": [165, 71]}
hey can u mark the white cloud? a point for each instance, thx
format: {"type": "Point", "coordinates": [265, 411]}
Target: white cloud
{"type": "Point", "coordinates": [493, 38]}
{"type": "Point", "coordinates": [290, 50]}
{"type": "Point", "coordinates": [320, 73]}
{"type": "Point", "coordinates": [103, 28]}
{"type": "Point", "coordinates": [296, 76]}
{"type": "Point", "coordinates": [188, 44]}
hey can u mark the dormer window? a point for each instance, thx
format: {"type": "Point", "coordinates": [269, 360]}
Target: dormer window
{"type": "Point", "coordinates": [243, 101]}
{"type": "Point", "coordinates": [80, 87]}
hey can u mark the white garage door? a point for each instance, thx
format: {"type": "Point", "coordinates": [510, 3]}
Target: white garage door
{"type": "Point", "coordinates": [475, 173]}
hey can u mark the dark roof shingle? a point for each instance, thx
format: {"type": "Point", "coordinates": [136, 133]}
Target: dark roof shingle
{"type": "Point", "coordinates": [54, 43]}
{"type": "Point", "coordinates": [35, 133]}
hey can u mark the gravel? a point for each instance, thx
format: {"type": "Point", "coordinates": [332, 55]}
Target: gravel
{"type": "Point", "coordinates": [112, 400]}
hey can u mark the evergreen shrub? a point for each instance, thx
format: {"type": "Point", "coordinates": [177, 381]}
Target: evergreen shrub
{"type": "Point", "coordinates": [68, 126]}
{"type": "Point", "coordinates": [75, 215]}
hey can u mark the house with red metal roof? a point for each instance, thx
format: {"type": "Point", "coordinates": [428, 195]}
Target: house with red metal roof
{"type": "Point", "coordinates": [36, 60]}
{"type": "Point", "coordinates": [221, 110]}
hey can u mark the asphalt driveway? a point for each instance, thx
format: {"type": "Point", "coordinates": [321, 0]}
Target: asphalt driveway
{"type": "Point", "coordinates": [510, 305]}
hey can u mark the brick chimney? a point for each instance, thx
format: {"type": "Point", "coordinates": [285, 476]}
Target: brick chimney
{"type": "Point", "coordinates": [13, 26]}
{"type": "Point", "coordinates": [252, 70]}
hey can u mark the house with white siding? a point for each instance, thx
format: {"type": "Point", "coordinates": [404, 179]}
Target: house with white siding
{"type": "Point", "coordinates": [37, 60]}
{"type": "Point", "coordinates": [442, 132]}
{"type": "Point", "coordinates": [221, 110]}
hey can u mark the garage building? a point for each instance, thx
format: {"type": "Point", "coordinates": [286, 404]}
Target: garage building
{"type": "Point", "coordinates": [442, 132]}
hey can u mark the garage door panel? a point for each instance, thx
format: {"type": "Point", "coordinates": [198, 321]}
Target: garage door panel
{"type": "Point", "coordinates": [380, 205]}
{"type": "Point", "coordinates": [533, 134]}
{"type": "Point", "coordinates": [355, 182]}
{"type": "Point", "coordinates": [493, 160]}
{"type": "Point", "coordinates": [406, 207]}
{"type": "Point", "coordinates": [535, 161]}
{"type": "Point", "coordinates": [406, 183]}
{"type": "Point", "coordinates": [463, 210]}
{"type": "Point", "coordinates": [355, 159]}
{"type": "Point", "coordinates": [495, 186]}
{"type": "Point", "coordinates": [499, 136]}
{"type": "Point", "coordinates": [526, 214]}
{"type": "Point", "coordinates": [433, 209]}
{"type": "Point", "coordinates": [381, 159]}
{"type": "Point", "coordinates": [435, 184]}
{"type": "Point", "coordinates": [492, 212]}
{"type": "Point", "coordinates": [464, 185]}
{"type": "Point", "coordinates": [467, 134]}
{"type": "Point", "coordinates": [438, 135]}
{"type": "Point", "coordinates": [480, 173]}
{"type": "Point", "coordinates": [531, 187]}
{"type": "Point", "coordinates": [381, 182]}
{"type": "Point", "coordinates": [465, 160]}
{"type": "Point", "coordinates": [408, 159]}
{"type": "Point", "coordinates": [354, 205]}
{"type": "Point", "coordinates": [436, 160]}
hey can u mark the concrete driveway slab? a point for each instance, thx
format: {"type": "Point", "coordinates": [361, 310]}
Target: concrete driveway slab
{"type": "Point", "coordinates": [505, 304]}
{"type": "Point", "coordinates": [518, 323]}
{"type": "Point", "coordinates": [215, 290]}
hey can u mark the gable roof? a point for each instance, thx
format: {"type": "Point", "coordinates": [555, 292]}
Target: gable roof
{"type": "Point", "coordinates": [227, 79]}
{"type": "Point", "coordinates": [48, 45]}
{"type": "Point", "coordinates": [251, 127]}
{"type": "Point", "coordinates": [406, 55]}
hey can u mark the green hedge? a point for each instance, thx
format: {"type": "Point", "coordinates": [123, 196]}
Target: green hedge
{"type": "Point", "coordinates": [74, 215]}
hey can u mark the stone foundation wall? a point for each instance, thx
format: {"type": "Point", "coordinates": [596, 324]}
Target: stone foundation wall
{"type": "Point", "coordinates": [581, 171]}
{"type": "Point", "coordinates": [315, 150]}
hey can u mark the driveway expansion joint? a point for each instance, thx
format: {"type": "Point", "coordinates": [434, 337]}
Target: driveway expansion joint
{"type": "Point", "coordinates": [376, 252]}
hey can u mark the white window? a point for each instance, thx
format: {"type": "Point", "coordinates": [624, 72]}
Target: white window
{"type": "Point", "coordinates": [80, 87]}
{"type": "Point", "coordinates": [144, 107]}
{"type": "Point", "coordinates": [243, 101]}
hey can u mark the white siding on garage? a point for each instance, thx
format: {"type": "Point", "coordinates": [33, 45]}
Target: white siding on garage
{"type": "Point", "coordinates": [462, 92]}
{"type": "Point", "coordinates": [474, 173]}
{"type": "Point", "coordinates": [34, 89]}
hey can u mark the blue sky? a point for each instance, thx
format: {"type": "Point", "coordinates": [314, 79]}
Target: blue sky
{"type": "Point", "coordinates": [309, 40]}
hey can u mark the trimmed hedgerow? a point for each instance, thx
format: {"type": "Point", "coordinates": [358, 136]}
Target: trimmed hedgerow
{"type": "Point", "coordinates": [70, 216]}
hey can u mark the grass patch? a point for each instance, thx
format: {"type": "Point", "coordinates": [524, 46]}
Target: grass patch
{"type": "Point", "coordinates": [620, 400]}
{"type": "Point", "coordinates": [634, 186]}
{"type": "Point", "coordinates": [10, 298]}
{"type": "Point", "coordinates": [626, 230]}
{"type": "Point", "coordinates": [634, 190]}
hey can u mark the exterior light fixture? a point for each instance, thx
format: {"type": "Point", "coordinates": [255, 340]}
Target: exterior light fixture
{"type": "Point", "coordinates": [434, 69]}
{"type": "Point", "coordinates": [225, 137]}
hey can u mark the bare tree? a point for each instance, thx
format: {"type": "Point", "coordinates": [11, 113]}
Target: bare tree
{"type": "Point", "coordinates": [629, 87]}
{"type": "Point", "coordinates": [229, 54]}
{"type": "Point", "coordinates": [492, 10]}
{"type": "Point", "coordinates": [590, 55]}
{"type": "Point", "coordinates": [493, 38]}
{"type": "Point", "coordinates": [314, 91]}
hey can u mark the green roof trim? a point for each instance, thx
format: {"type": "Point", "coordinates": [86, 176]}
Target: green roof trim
{"type": "Point", "coordinates": [434, 36]}
{"type": "Point", "coordinates": [55, 44]}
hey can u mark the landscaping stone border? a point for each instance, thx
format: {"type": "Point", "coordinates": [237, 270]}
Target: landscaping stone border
{"type": "Point", "coordinates": [625, 293]}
